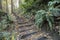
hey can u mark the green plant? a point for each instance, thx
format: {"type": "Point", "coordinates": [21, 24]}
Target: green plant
{"type": "Point", "coordinates": [31, 6]}
{"type": "Point", "coordinates": [6, 27]}
{"type": "Point", "coordinates": [7, 36]}
{"type": "Point", "coordinates": [5, 22]}
{"type": "Point", "coordinates": [47, 15]}
{"type": "Point", "coordinates": [41, 16]}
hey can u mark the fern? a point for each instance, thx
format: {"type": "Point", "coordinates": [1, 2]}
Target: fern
{"type": "Point", "coordinates": [7, 36]}
{"type": "Point", "coordinates": [47, 15]}
{"type": "Point", "coordinates": [5, 22]}
{"type": "Point", "coordinates": [41, 16]}
{"type": "Point", "coordinates": [31, 6]}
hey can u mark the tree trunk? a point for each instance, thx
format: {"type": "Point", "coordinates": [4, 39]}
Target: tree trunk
{"type": "Point", "coordinates": [11, 6]}
{"type": "Point", "coordinates": [0, 4]}
{"type": "Point", "coordinates": [7, 7]}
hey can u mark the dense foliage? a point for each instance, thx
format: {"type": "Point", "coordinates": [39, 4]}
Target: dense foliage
{"type": "Point", "coordinates": [42, 16]}
{"type": "Point", "coordinates": [47, 15]}
{"type": "Point", "coordinates": [7, 36]}
{"type": "Point", "coordinates": [6, 27]}
{"type": "Point", "coordinates": [5, 22]}
{"type": "Point", "coordinates": [43, 10]}
{"type": "Point", "coordinates": [32, 6]}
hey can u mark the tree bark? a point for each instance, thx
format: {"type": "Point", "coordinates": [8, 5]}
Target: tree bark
{"type": "Point", "coordinates": [0, 4]}
{"type": "Point", "coordinates": [12, 6]}
{"type": "Point", "coordinates": [7, 7]}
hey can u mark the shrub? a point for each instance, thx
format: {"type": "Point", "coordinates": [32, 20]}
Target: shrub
{"type": "Point", "coordinates": [47, 15]}
{"type": "Point", "coordinates": [5, 22]}
{"type": "Point", "coordinates": [7, 36]}
{"type": "Point", "coordinates": [41, 16]}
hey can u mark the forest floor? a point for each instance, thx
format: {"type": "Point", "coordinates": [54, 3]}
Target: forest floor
{"type": "Point", "coordinates": [27, 31]}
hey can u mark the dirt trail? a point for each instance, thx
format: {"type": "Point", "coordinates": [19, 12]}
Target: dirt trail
{"type": "Point", "coordinates": [27, 30]}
